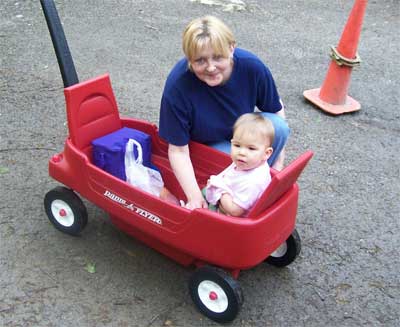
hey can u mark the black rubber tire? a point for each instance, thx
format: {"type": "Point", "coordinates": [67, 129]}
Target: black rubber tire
{"type": "Point", "coordinates": [293, 248]}
{"type": "Point", "coordinates": [73, 207]}
{"type": "Point", "coordinates": [229, 288]}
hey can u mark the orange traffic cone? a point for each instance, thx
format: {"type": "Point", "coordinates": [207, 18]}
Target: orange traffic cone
{"type": "Point", "coordinates": [332, 96]}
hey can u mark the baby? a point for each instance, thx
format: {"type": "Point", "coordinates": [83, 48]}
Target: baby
{"type": "Point", "coordinates": [236, 189]}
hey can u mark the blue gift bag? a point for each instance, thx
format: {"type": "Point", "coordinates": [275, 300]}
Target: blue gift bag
{"type": "Point", "coordinates": [109, 150]}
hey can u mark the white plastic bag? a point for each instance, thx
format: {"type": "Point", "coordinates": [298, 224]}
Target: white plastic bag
{"type": "Point", "coordinates": [145, 178]}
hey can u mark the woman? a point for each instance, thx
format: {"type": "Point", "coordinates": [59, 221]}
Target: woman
{"type": "Point", "coordinates": [207, 91]}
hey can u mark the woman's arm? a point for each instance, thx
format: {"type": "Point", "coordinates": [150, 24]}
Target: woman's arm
{"type": "Point", "coordinates": [181, 164]}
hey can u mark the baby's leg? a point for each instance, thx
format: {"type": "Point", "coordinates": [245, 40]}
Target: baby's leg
{"type": "Point", "coordinates": [211, 207]}
{"type": "Point", "coordinates": [166, 195]}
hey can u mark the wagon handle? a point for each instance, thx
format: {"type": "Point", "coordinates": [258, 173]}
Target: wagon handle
{"type": "Point", "coordinates": [64, 58]}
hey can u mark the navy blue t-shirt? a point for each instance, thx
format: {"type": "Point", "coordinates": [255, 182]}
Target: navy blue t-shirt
{"type": "Point", "coordinates": [192, 110]}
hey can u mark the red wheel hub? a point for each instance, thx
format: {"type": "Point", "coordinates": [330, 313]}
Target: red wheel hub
{"type": "Point", "coordinates": [56, 158]}
{"type": "Point", "coordinates": [213, 296]}
{"type": "Point", "coordinates": [62, 213]}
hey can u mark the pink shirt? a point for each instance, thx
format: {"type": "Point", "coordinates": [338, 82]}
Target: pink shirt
{"type": "Point", "coordinates": [245, 186]}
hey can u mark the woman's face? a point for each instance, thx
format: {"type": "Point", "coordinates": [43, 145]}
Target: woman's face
{"type": "Point", "coordinates": [211, 68]}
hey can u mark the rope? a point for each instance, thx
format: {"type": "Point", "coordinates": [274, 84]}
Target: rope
{"type": "Point", "coordinates": [343, 61]}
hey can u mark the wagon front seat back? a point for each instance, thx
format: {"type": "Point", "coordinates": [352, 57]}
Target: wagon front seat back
{"type": "Point", "coordinates": [91, 110]}
{"type": "Point", "coordinates": [281, 182]}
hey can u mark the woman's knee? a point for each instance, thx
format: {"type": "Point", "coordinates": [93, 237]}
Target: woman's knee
{"type": "Point", "coordinates": [281, 127]}
{"type": "Point", "coordinates": [223, 146]}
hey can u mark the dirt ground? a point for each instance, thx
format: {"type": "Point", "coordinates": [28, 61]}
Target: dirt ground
{"type": "Point", "coordinates": [348, 216]}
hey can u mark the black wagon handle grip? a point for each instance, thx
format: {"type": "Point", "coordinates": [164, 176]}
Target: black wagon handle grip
{"type": "Point", "coordinates": [64, 58]}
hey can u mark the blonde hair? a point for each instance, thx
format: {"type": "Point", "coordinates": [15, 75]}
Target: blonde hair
{"type": "Point", "coordinates": [255, 123]}
{"type": "Point", "coordinates": [207, 30]}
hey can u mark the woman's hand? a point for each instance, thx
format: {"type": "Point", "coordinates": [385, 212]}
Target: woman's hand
{"type": "Point", "coordinates": [279, 161]}
{"type": "Point", "coordinates": [196, 203]}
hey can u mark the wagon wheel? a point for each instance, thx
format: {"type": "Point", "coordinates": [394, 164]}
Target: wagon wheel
{"type": "Point", "coordinates": [216, 294]}
{"type": "Point", "coordinates": [65, 210]}
{"type": "Point", "coordinates": [287, 252]}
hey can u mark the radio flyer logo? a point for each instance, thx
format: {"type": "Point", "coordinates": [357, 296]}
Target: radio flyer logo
{"type": "Point", "coordinates": [133, 208]}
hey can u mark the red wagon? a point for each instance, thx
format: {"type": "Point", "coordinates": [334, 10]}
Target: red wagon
{"type": "Point", "coordinates": [219, 246]}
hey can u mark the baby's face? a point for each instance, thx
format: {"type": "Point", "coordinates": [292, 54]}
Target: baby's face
{"type": "Point", "coordinates": [248, 150]}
